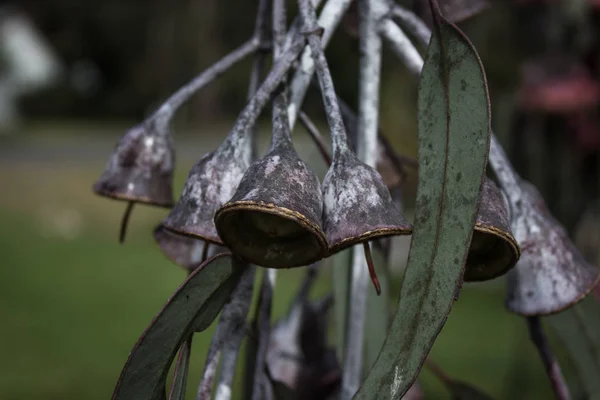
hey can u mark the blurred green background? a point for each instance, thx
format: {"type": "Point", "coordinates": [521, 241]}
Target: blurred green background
{"type": "Point", "coordinates": [73, 301]}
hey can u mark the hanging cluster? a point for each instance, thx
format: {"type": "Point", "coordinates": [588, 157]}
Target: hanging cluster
{"type": "Point", "coordinates": [273, 211]}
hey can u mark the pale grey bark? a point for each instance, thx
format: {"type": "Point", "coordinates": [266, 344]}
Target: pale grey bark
{"type": "Point", "coordinates": [329, 19]}
{"type": "Point", "coordinates": [370, 13]}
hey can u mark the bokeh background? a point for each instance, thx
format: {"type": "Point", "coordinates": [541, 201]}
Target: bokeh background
{"type": "Point", "coordinates": [75, 75]}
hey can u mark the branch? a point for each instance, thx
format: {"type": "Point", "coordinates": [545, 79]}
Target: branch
{"type": "Point", "coordinates": [332, 108]}
{"type": "Point", "coordinates": [402, 46]}
{"type": "Point", "coordinates": [330, 17]}
{"type": "Point", "coordinates": [258, 61]}
{"type": "Point", "coordinates": [163, 116]}
{"type": "Point", "coordinates": [537, 335]}
{"type": "Point", "coordinates": [398, 160]}
{"type": "Point", "coordinates": [366, 147]}
{"type": "Point", "coordinates": [261, 389]}
{"type": "Point", "coordinates": [413, 24]}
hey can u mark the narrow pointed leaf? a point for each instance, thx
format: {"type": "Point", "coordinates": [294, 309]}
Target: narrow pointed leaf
{"type": "Point", "coordinates": [180, 375]}
{"type": "Point", "coordinates": [195, 304]}
{"type": "Point", "coordinates": [454, 132]}
{"type": "Point", "coordinates": [578, 328]}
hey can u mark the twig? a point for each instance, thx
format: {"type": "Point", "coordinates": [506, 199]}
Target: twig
{"type": "Point", "coordinates": [413, 24]}
{"type": "Point", "coordinates": [538, 337]}
{"type": "Point", "coordinates": [315, 135]}
{"type": "Point", "coordinates": [438, 372]}
{"type": "Point", "coordinates": [163, 116]}
{"type": "Point", "coordinates": [258, 61]}
{"type": "Point", "coordinates": [402, 46]}
{"type": "Point", "coordinates": [232, 322]}
{"type": "Point", "coordinates": [260, 390]}
{"type": "Point", "coordinates": [332, 108]}
{"type": "Point", "coordinates": [398, 160]}
{"type": "Point", "coordinates": [125, 221]}
{"type": "Point", "coordinates": [330, 17]}
{"type": "Point", "coordinates": [248, 117]}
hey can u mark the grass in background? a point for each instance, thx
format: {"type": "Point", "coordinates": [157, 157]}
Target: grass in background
{"type": "Point", "coordinates": [73, 302]}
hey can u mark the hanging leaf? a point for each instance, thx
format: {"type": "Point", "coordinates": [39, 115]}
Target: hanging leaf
{"type": "Point", "coordinates": [578, 328]}
{"type": "Point", "coordinates": [195, 304]}
{"type": "Point", "coordinates": [180, 375]}
{"type": "Point", "coordinates": [454, 133]}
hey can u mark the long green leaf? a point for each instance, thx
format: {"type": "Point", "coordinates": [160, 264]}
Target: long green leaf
{"type": "Point", "coordinates": [578, 328]}
{"type": "Point", "coordinates": [454, 134]}
{"type": "Point", "coordinates": [193, 305]}
{"type": "Point", "coordinates": [180, 375]}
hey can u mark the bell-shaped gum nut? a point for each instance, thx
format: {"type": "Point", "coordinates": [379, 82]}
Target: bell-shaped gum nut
{"type": "Point", "coordinates": [274, 218]}
{"type": "Point", "coordinates": [140, 169]}
{"type": "Point", "coordinates": [493, 249]}
{"type": "Point", "coordinates": [551, 274]}
{"type": "Point", "coordinates": [358, 206]}
{"type": "Point", "coordinates": [210, 184]}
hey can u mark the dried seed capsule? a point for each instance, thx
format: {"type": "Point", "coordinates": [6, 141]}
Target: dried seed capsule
{"type": "Point", "coordinates": [493, 249]}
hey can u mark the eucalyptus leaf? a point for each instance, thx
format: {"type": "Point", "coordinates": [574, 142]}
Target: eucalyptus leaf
{"type": "Point", "coordinates": [193, 305]}
{"type": "Point", "coordinates": [177, 391]}
{"type": "Point", "coordinates": [578, 329]}
{"type": "Point", "coordinates": [454, 134]}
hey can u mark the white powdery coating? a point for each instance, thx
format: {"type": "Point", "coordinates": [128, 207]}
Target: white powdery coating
{"type": "Point", "coordinates": [156, 151]}
{"type": "Point", "coordinates": [284, 348]}
{"type": "Point", "coordinates": [329, 19]}
{"type": "Point", "coordinates": [540, 267]}
{"type": "Point", "coordinates": [550, 274]}
{"type": "Point", "coordinates": [397, 382]}
{"type": "Point", "coordinates": [217, 183]}
{"type": "Point", "coordinates": [342, 195]}
{"type": "Point", "coordinates": [149, 141]}
{"type": "Point", "coordinates": [196, 252]}
{"type": "Point", "coordinates": [251, 195]}
{"type": "Point", "coordinates": [272, 164]}
{"type": "Point", "coordinates": [223, 392]}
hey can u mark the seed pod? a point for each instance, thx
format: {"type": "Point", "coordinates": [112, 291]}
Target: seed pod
{"type": "Point", "coordinates": [493, 249]}
{"type": "Point", "coordinates": [551, 274]}
{"type": "Point", "coordinates": [184, 251]}
{"type": "Point", "coordinates": [274, 218]}
{"type": "Point", "coordinates": [357, 204]}
{"type": "Point", "coordinates": [214, 179]}
{"type": "Point", "coordinates": [140, 168]}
